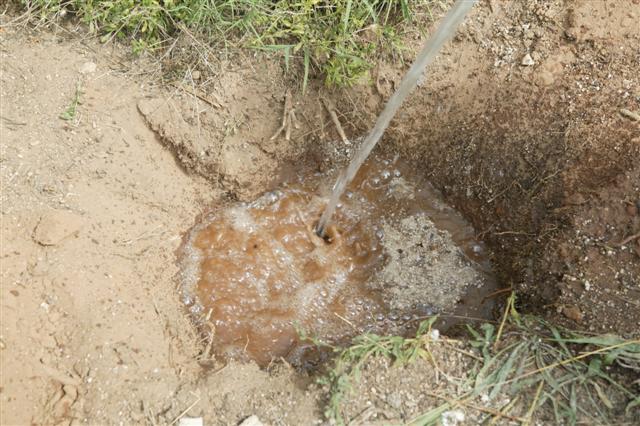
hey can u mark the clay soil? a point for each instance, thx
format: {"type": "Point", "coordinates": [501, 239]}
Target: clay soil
{"type": "Point", "coordinates": [528, 123]}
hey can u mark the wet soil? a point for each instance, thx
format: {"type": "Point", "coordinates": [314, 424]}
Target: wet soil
{"type": "Point", "coordinates": [255, 275]}
{"type": "Point", "coordinates": [518, 124]}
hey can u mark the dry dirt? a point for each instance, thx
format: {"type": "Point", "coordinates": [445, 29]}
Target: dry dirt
{"type": "Point", "coordinates": [532, 149]}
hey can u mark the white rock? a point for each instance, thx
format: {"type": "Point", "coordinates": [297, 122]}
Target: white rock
{"type": "Point", "coordinates": [452, 418]}
{"type": "Point", "coordinates": [191, 421]}
{"type": "Point", "coordinates": [87, 68]}
{"type": "Point", "coordinates": [251, 421]}
{"type": "Point", "coordinates": [435, 334]}
{"type": "Point", "coordinates": [527, 61]}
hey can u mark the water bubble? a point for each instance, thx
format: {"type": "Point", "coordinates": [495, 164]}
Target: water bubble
{"type": "Point", "coordinates": [386, 174]}
{"type": "Point", "coordinates": [348, 194]}
{"type": "Point", "coordinates": [379, 234]}
{"type": "Point", "coordinates": [425, 309]}
{"type": "Point", "coordinates": [272, 197]}
{"type": "Point", "coordinates": [397, 173]}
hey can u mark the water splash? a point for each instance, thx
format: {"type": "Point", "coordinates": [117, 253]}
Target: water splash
{"type": "Point", "coordinates": [445, 31]}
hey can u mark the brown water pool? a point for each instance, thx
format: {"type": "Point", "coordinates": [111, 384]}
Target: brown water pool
{"type": "Point", "coordinates": [254, 275]}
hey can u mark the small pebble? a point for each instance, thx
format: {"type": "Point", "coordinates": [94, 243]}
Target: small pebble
{"type": "Point", "coordinates": [527, 61]}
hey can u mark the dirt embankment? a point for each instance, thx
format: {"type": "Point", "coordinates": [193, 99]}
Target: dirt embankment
{"type": "Point", "coordinates": [523, 127]}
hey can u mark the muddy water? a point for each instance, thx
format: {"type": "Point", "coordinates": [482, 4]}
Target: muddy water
{"type": "Point", "coordinates": [255, 274]}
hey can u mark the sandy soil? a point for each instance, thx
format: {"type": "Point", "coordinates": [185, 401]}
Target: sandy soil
{"type": "Point", "coordinates": [93, 210]}
{"type": "Point", "coordinates": [532, 149]}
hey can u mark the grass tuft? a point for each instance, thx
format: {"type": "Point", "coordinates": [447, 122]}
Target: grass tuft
{"type": "Point", "coordinates": [575, 377]}
{"type": "Point", "coordinates": [349, 361]}
{"type": "Point", "coordinates": [570, 369]}
{"type": "Point", "coordinates": [338, 39]}
{"type": "Point", "coordinates": [71, 111]}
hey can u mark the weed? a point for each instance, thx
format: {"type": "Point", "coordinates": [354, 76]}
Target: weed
{"type": "Point", "coordinates": [348, 362]}
{"type": "Point", "coordinates": [570, 370]}
{"type": "Point", "coordinates": [339, 38]}
{"type": "Point", "coordinates": [533, 363]}
{"type": "Point", "coordinates": [71, 111]}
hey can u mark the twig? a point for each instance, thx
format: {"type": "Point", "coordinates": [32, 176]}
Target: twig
{"type": "Point", "coordinates": [461, 351]}
{"type": "Point", "coordinates": [629, 239]}
{"type": "Point", "coordinates": [286, 117]}
{"type": "Point", "coordinates": [185, 411]}
{"type": "Point", "coordinates": [345, 320]}
{"type": "Point", "coordinates": [497, 292]}
{"type": "Point", "coordinates": [490, 200]}
{"type": "Point", "coordinates": [13, 122]}
{"type": "Point", "coordinates": [568, 361]}
{"type": "Point", "coordinates": [197, 95]}
{"type": "Point", "coordinates": [144, 236]}
{"type": "Point", "coordinates": [504, 320]}
{"type": "Point", "coordinates": [454, 402]}
{"type": "Point", "coordinates": [322, 124]}
{"type": "Point", "coordinates": [630, 114]}
{"type": "Point", "coordinates": [505, 409]}
{"type": "Point", "coordinates": [287, 130]}
{"type": "Point", "coordinates": [363, 417]}
{"type": "Point", "coordinates": [529, 415]}
{"type": "Point", "coordinates": [334, 117]}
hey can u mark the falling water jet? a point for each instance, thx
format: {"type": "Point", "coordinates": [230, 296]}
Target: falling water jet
{"type": "Point", "coordinates": [445, 31]}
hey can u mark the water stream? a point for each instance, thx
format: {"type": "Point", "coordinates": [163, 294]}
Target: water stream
{"type": "Point", "coordinates": [443, 33]}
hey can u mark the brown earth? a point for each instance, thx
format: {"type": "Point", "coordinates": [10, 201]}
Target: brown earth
{"type": "Point", "coordinates": [533, 150]}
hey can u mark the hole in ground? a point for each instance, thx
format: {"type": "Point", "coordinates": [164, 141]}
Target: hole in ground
{"type": "Point", "coordinates": [255, 275]}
